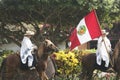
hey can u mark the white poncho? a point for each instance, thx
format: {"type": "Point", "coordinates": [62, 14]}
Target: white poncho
{"type": "Point", "coordinates": [103, 48]}
{"type": "Point", "coordinates": [25, 52]}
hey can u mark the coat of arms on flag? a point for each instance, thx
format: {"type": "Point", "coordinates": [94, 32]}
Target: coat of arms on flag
{"type": "Point", "coordinates": [87, 29]}
{"type": "Point", "coordinates": [81, 30]}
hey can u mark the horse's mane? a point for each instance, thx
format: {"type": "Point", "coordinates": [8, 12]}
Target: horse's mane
{"type": "Point", "coordinates": [40, 49]}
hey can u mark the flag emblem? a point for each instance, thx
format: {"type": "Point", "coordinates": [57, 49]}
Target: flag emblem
{"type": "Point", "coordinates": [87, 30]}
{"type": "Point", "coordinates": [82, 30]}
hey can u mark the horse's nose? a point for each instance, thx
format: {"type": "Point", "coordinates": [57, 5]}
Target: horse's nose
{"type": "Point", "coordinates": [56, 50]}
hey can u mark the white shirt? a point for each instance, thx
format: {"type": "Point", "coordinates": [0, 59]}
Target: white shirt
{"type": "Point", "coordinates": [103, 50]}
{"type": "Point", "coordinates": [26, 49]}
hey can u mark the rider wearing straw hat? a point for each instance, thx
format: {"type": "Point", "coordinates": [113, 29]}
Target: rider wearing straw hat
{"type": "Point", "coordinates": [103, 49]}
{"type": "Point", "coordinates": [26, 49]}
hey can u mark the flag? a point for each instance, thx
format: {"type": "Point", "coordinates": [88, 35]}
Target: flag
{"type": "Point", "coordinates": [87, 29]}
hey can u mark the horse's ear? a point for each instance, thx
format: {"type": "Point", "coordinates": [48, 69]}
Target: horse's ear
{"type": "Point", "coordinates": [45, 39]}
{"type": "Point", "coordinates": [45, 42]}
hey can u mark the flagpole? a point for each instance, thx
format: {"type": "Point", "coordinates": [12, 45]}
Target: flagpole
{"type": "Point", "coordinates": [97, 18]}
{"type": "Point", "coordinates": [108, 54]}
{"type": "Point", "coordinates": [104, 41]}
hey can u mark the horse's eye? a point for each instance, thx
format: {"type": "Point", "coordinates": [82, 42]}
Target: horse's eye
{"type": "Point", "coordinates": [46, 42]}
{"type": "Point", "coordinates": [50, 45]}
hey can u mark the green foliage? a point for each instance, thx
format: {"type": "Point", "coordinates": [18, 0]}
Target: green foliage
{"type": "Point", "coordinates": [70, 72]}
{"type": "Point", "coordinates": [4, 54]}
{"type": "Point", "coordinates": [62, 15]}
{"type": "Point", "coordinates": [60, 10]}
{"type": "Point", "coordinates": [69, 62]}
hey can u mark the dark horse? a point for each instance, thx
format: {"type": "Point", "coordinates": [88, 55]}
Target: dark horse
{"type": "Point", "coordinates": [89, 64]}
{"type": "Point", "coordinates": [12, 64]}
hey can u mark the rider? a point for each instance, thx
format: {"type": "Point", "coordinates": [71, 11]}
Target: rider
{"type": "Point", "coordinates": [27, 49]}
{"type": "Point", "coordinates": [103, 49]}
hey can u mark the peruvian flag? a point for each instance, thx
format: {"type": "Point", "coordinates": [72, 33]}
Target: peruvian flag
{"type": "Point", "coordinates": [87, 29]}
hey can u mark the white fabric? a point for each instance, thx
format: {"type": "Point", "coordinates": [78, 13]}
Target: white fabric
{"type": "Point", "coordinates": [25, 52]}
{"type": "Point", "coordinates": [86, 36]}
{"type": "Point", "coordinates": [102, 53]}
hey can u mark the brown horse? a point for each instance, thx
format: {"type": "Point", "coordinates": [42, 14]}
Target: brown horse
{"type": "Point", "coordinates": [89, 64]}
{"type": "Point", "coordinates": [11, 66]}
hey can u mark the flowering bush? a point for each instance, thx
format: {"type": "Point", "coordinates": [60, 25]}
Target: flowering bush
{"type": "Point", "coordinates": [69, 62]}
{"type": "Point", "coordinates": [66, 61]}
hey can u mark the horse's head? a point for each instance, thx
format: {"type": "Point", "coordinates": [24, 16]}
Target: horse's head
{"type": "Point", "coordinates": [46, 47]}
{"type": "Point", "coordinates": [49, 46]}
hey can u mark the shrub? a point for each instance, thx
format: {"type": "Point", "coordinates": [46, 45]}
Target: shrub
{"type": "Point", "coordinates": [69, 62]}
{"type": "Point", "coordinates": [4, 54]}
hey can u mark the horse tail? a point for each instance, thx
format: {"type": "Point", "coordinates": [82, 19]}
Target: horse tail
{"type": "Point", "coordinates": [2, 67]}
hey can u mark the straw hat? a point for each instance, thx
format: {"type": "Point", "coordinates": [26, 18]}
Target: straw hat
{"type": "Point", "coordinates": [104, 32]}
{"type": "Point", "coordinates": [29, 33]}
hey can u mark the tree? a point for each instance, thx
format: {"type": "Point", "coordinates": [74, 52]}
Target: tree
{"type": "Point", "coordinates": [57, 16]}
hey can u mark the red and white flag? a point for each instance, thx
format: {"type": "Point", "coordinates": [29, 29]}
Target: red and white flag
{"type": "Point", "coordinates": [87, 29]}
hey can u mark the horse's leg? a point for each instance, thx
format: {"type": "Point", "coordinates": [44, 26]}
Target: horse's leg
{"type": "Point", "coordinates": [40, 75]}
{"type": "Point", "coordinates": [44, 76]}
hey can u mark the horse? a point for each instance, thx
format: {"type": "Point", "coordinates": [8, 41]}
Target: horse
{"type": "Point", "coordinates": [89, 64]}
{"type": "Point", "coordinates": [116, 59]}
{"type": "Point", "coordinates": [11, 66]}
